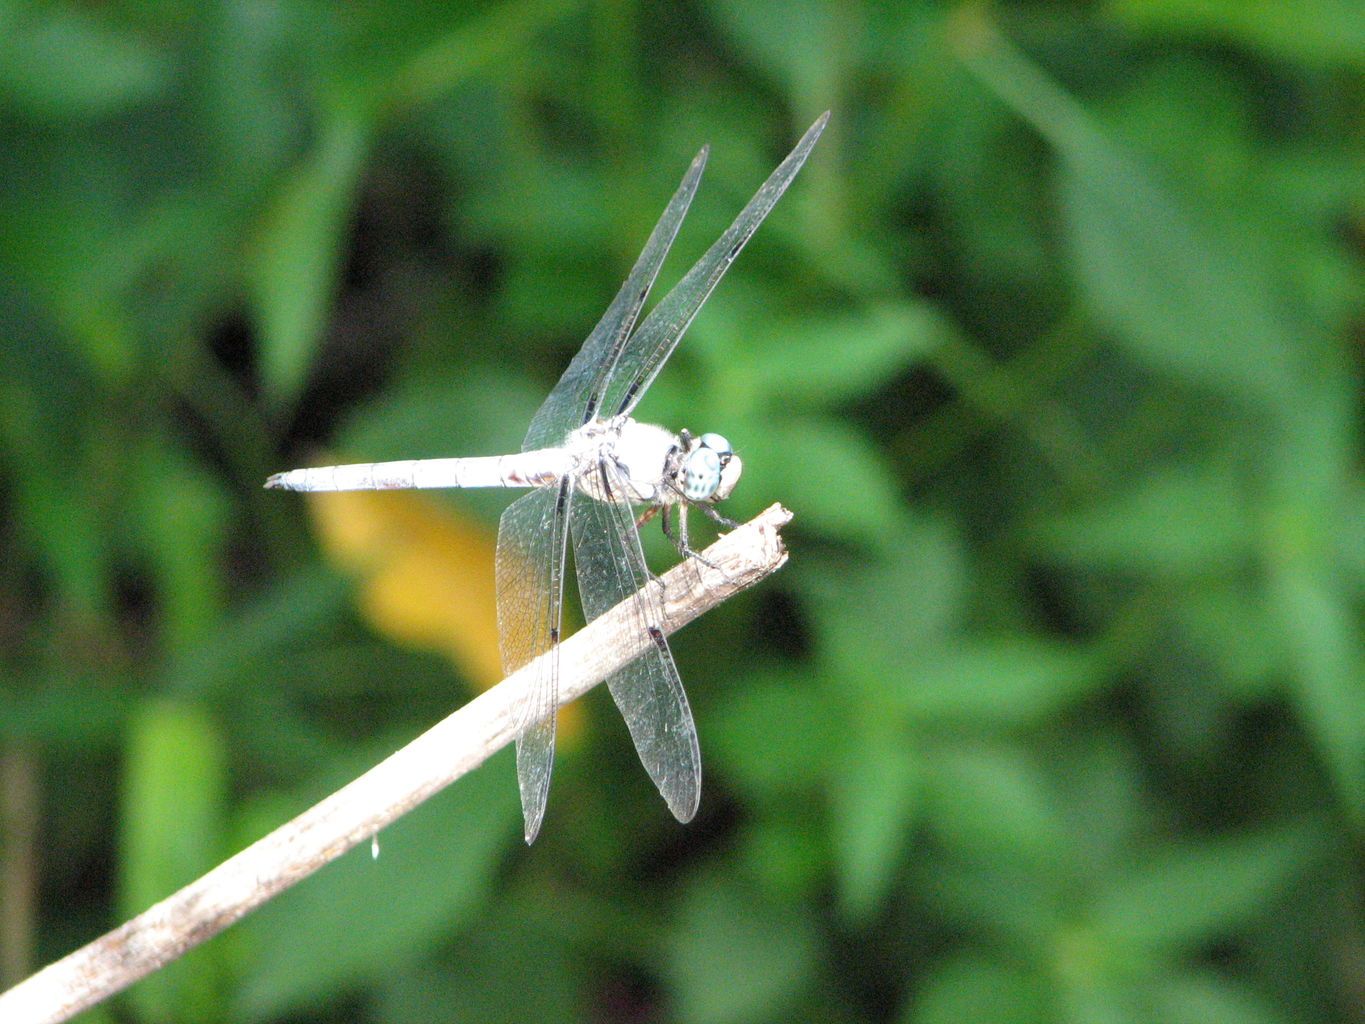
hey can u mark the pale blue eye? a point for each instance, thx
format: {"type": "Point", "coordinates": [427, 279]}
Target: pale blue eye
{"type": "Point", "coordinates": [701, 473]}
{"type": "Point", "coordinates": [717, 444]}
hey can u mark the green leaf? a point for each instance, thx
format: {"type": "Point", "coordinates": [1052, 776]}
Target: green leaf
{"type": "Point", "coordinates": [1185, 895]}
{"type": "Point", "coordinates": [1322, 33]}
{"type": "Point", "coordinates": [1311, 597]}
{"type": "Point", "coordinates": [294, 263]}
{"type": "Point", "coordinates": [1235, 631]}
{"type": "Point", "coordinates": [182, 517]}
{"type": "Point", "coordinates": [1179, 522]}
{"type": "Point", "coordinates": [69, 540]}
{"type": "Point", "coordinates": [788, 58]}
{"type": "Point", "coordinates": [63, 63]}
{"type": "Point", "coordinates": [483, 977]}
{"type": "Point", "coordinates": [737, 957]}
{"type": "Point", "coordinates": [174, 789]}
{"type": "Point", "coordinates": [992, 802]}
{"type": "Point", "coordinates": [827, 473]}
{"type": "Point", "coordinates": [973, 987]}
{"type": "Point", "coordinates": [1007, 900]}
{"type": "Point", "coordinates": [1178, 298]}
{"type": "Point", "coordinates": [1006, 682]}
{"type": "Point", "coordinates": [1203, 997]}
{"type": "Point", "coordinates": [872, 806]}
{"type": "Point", "coordinates": [484, 39]}
{"type": "Point", "coordinates": [172, 801]}
{"type": "Point", "coordinates": [907, 598]}
{"type": "Point", "coordinates": [772, 736]}
{"type": "Point", "coordinates": [784, 850]}
{"type": "Point", "coordinates": [1323, 636]}
{"type": "Point", "coordinates": [833, 357]}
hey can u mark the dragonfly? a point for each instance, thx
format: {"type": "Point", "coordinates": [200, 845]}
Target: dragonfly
{"type": "Point", "coordinates": [590, 466]}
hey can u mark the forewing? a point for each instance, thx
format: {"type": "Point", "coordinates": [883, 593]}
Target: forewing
{"type": "Point", "coordinates": [576, 398]}
{"type": "Point", "coordinates": [611, 569]}
{"type": "Point", "coordinates": [532, 538]}
{"type": "Point", "coordinates": [661, 331]}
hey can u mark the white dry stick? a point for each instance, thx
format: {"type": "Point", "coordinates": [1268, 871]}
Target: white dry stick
{"type": "Point", "coordinates": [395, 786]}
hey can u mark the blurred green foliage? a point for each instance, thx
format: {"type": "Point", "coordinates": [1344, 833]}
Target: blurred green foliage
{"type": "Point", "coordinates": [1058, 712]}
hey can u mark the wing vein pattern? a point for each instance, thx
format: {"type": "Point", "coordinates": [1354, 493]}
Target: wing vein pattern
{"type": "Point", "coordinates": [647, 691]}
{"type": "Point", "coordinates": [532, 538]}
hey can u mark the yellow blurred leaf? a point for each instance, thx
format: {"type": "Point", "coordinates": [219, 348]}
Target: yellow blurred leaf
{"type": "Point", "coordinates": [426, 576]}
{"type": "Point", "coordinates": [427, 573]}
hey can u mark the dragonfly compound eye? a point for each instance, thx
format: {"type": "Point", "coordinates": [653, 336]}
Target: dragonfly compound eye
{"type": "Point", "coordinates": [701, 472]}
{"type": "Point", "coordinates": [718, 445]}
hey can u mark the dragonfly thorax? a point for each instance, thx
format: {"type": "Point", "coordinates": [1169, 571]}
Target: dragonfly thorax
{"type": "Point", "coordinates": [651, 465]}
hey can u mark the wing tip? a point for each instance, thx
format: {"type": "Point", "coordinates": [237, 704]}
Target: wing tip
{"type": "Point", "coordinates": [813, 132]}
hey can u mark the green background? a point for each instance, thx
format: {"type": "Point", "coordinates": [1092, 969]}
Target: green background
{"type": "Point", "coordinates": [1057, 712]}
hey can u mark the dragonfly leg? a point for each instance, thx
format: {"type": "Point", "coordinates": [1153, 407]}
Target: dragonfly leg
{"type": "Point", "coordinates": [680, 541]}
{"type": "Point", "coordinates": [710, 512]}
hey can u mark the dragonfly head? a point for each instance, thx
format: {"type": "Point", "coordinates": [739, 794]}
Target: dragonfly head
{"type": "Point", "coordinates": [710, 469]}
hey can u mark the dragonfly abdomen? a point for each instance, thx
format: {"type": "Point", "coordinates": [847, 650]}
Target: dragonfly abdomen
{"type": "Point", "coordinates": [525, 469]}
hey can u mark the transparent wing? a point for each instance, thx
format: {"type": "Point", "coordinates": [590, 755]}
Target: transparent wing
{"type": "Point", "coordinates": [576, 398]}
{"type": "Point", "coordinates": [532, 538]}
{"type": "Point", "coordinates": [651, 345]}
{"type": "Point", "coordinates": [611, 568]}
